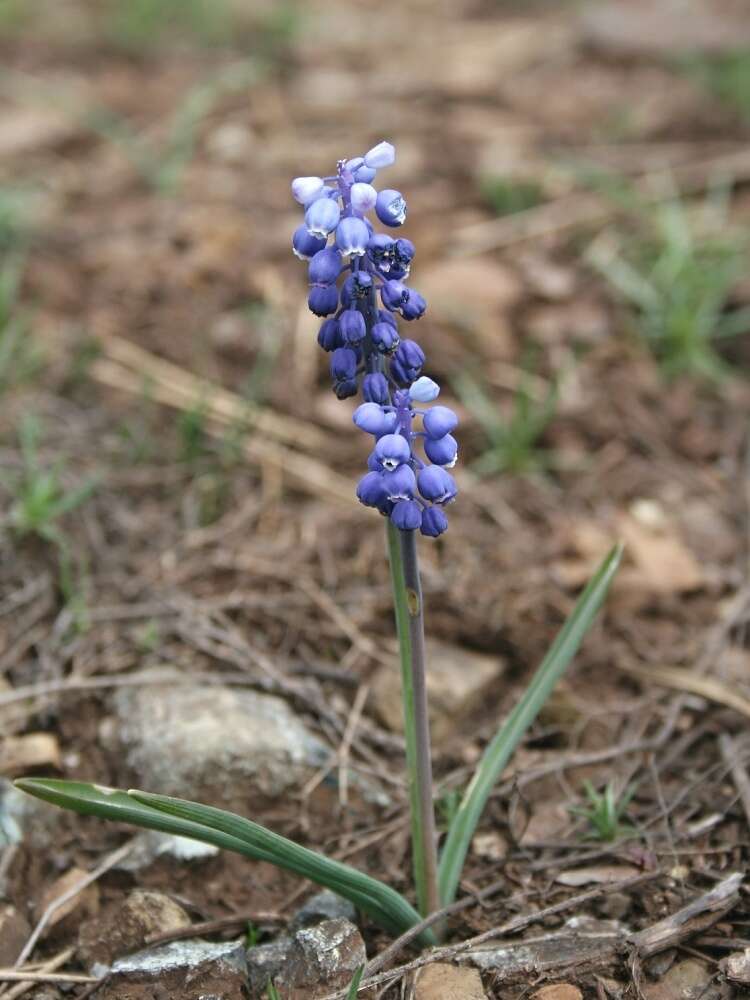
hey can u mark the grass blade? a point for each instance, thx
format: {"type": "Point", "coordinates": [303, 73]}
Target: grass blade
{"type": "Point", "coordinates": [234, 833]}
{"type": "Point", "coordinates": [511, 733]}
{"type": "Point", "coordinates": [354, 984]}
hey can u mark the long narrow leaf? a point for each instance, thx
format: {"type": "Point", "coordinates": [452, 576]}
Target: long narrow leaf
{"type": "Point", "coordinates": [511, 733]}
{"type": "Point", "coordinates": [368, 893]}
{"type": "Point", "coordinates": [223, 829]}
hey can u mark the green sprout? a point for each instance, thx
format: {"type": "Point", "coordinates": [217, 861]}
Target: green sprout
{"type": "Point", "coordinates": [511, 443]}
{"type": "Point", "coordinates": [41, 501]}
{"type": "Point", "coordinates": [506, 195]}
{"type": "Point", "coordinates": [252, 934]}
{"type": "Point", "coordinates": [605, 811]}
{"type": "Point", "coordinates": [19, 356]}
{"type": "Point", "coordinates": [354, 984]}
{"type": "Point", "coordinates": [446, 806]}
{"type": "Point", "coordinates": [162, 163]}
{"type": "Point", "coordinates": [141, 26]}
{"type": "Point", "coordinates": [725, 74]}
{"type": "Point", "coordinates": [191, 425]}
{"type": "Point", "coordinates": [678, 280]}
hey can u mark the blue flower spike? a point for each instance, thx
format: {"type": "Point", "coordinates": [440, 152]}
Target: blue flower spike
{"type": "Point", "coordinates": [358, 285]}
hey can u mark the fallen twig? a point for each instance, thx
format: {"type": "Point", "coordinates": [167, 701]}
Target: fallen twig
{"type": "Point", "coordinates": [688, 681]}
{"type": "Point", "coordinates": [737, 769]}
{"type": "Point", "coordinates": [563, 950]}
{"type": "Point", "coordinates": [111, 860]}
{"type": "Point", "coordinates": [696, 916]}
{"type": "Point", "coordinates": [511, 927]}
{"type": "Point", "coordinates": [16, 976]}
{"type": "Point", "coordinates": [307, 473]}
{"type": "Point", "coordinates": [52, 964]}
{"type": "Point", "coordinates": [187, 389]}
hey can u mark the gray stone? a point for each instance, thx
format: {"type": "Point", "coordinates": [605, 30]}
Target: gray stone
{"type": "Point", "coordinates": [23, 818]}
{"type": "Point", "coordinates": [314, 961]}
{"type": "Point", "coordinates": [686, 980]}
{"type": "Point", "coordinates": [738, 967]}
{"type": "Point", "coordinates": [150, 845]}
{"type": "Point", "coordinates": [265, 963]}
{"type": "Point", "coordinates": [192, 970]}
{"type": "Point", "coordinates": [322, 959]}
{"type": "Point", "coordinates": [182, 739]}
{"type": "Point", "coordinates": [324, 905]}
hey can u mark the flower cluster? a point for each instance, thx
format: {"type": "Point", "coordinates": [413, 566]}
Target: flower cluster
{"type": "Point", "coordinates": [357, 285]}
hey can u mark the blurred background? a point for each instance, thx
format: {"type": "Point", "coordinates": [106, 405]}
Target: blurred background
{"type": "Point", "coordinates": [177, 479]}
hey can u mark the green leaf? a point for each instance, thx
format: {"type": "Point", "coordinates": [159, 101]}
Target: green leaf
{"type": "Point", "coordinates": [512, 731]}
{"type": "Point", "coordinates": [354, 984]}
{"type": "Point", "coordinates": [226, 830]}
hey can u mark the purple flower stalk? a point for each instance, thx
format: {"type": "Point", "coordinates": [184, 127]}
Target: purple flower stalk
{"type": "Point", "coordinates": [357, 281]}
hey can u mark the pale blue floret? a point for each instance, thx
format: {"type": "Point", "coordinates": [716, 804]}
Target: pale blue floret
{"type": "Point", "coordinates": [424, 390]}
{"type": "Point", "coordinates": [382, 155]}
{"type": "Point", "coordinates": [363, 197]}
{"type": "Point", "coordinates": [306, 189]}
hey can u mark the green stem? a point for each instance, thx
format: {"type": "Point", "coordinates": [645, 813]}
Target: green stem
{"type": "Point", "coordinates": [407, 599]}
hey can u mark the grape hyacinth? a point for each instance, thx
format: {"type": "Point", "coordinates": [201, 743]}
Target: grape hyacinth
{"type": "Point", "coordinates": [350, 268]}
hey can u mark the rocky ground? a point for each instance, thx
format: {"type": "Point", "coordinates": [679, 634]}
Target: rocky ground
{"type": "Point", "coordinates": [207, 613]}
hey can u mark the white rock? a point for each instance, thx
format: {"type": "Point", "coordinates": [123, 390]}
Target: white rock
{"type": "Point", "coordinates": [182, 740]}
